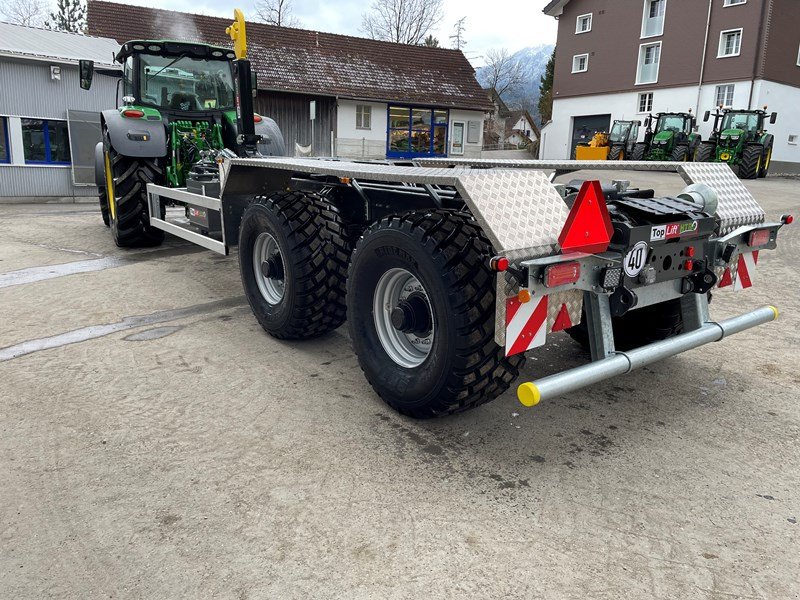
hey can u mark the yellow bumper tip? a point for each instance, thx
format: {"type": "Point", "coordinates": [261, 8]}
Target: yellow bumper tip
{"type": "Point", "coordinates": [775, 310]}
{"type": "Point", "coordinates": [528, 394]}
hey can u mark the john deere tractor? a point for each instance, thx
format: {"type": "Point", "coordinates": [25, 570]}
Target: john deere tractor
{"type": "Point", "coordinates": [616, 145]}
{"type": "Point", "coordinates": [673, 138]}
{"type": "Point", "coordinates": [741, 140]}
{"type": "Point", "coordinates": [184, 105]}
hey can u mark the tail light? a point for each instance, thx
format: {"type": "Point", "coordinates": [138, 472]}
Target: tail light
{"type": "Point", "coordinates": [787, 219]}
{"type": "Point", "coordinates": [133, 113]}
{"type": "Point", "coordinates": [498, 263]}
{"type": "Point", "coordinates": [562, 274]}
{"type": "Point", "coordinates": [758, 238]}
{"type": "Point", "coordinates": [258, 118]}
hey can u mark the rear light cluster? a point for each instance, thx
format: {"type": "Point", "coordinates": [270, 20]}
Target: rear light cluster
{"type": "Point", "coordinates": [562, 274]}
{"type": "Point", "coordinates": [758, 238]}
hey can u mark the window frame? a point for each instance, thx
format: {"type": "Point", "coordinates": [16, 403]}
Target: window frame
{"type": "Point", "coordinates": [6, 141]}
{"type": "Point", "coordinates": [646, 16]}
{"type": "Point", "coordinates": [586, 65]}
{"type": "Point", "coordinates": [640, 62]}
{"type": "Point", "coordinates": [639, 103]}
{"type": "Point", "coordinates": [798, 56]}
{"type": "Point", "coordinates": [722, 34]}
{"type": "Point", "coordinates": [792, 140]}
{"type": "Point", "coordinates": [361, 111]}
{"type": "Point", "coordinates": [728, 3]}
{"type": "Point", "coordinates": [731, 87]}
{"type": "Point", "coordinates": [578, 30]}
{"type": "Point", "coordinates": [410, 153]}
{"type": "Point", "coordinates": [48, 161]}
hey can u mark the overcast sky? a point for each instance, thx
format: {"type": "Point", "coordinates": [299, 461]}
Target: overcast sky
{"type": "Point", "coordinates": [512, 24]}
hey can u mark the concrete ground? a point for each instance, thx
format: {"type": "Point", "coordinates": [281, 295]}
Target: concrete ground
{"type": "Point", "coordinates": [155, 443]}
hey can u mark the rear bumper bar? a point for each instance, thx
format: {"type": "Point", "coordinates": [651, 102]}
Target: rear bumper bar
{"type": "Point", "coordinates": [620, 363]}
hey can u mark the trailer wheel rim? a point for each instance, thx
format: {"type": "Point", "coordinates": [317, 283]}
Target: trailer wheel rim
{"type": "Point", "coordinates": [266, 250]}
{"type": "Point", "coordinates": [407, 342]}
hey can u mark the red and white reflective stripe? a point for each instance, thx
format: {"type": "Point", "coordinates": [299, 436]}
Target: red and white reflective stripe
{"type": "Point", "coordinates": [726, 279]}
{"type": "Point", "coordinates": [526, 324]}
{"type": "Point", "coordinates": [746, 270]}
{"type": "Point", "coordinates": [562, 320]}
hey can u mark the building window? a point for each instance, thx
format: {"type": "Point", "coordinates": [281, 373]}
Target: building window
{"type": "Point", "coordinates": [730, 43]}
{"type": "Point", "coordinates": [793, 140]}
{"type": "Point", "coordinates": [45, 142]}
{"type": "Point", "coordinates": [798, 57]}
{"type": "Point", "coordinates": [584, 23]}
{"type": "Point", "coordinates": [649, 62]}
{"type": "Point", "coordinates": [646, 102]}
{"type": "Point", "coordinates": [653, 19]}
{"type": "Point", "coordinates": [417, 132]}
{"type": "Point", "coordinates": [363, 116]}
{"type": "Point", "coordinates": [5, 154]}
{"type": "Point", "coordinates": [580, 63]}
{"type": "Point", "coordinates": [733, 2]}
{"type": "Point", "coordinates": [724, 96]}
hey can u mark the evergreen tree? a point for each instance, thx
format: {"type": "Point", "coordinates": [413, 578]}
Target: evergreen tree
{"type": "Point", "coordinates": [70, 15]}
{"type": "Point", "coordinates": [431, 42]}
{"type": "Point", "coordinates": [546, 90]}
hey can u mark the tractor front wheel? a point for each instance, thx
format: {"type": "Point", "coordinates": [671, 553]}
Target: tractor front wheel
{"type": "Point", "coordinates": [421, 311]}
{"type": "Point", "coordinates": [680, 154]}
{"type": "Point", "coordinates": [750, 165]}
{"type": "Point", "coordinates": [616, 153]}
{"type": "Point", "coordinates": [705, 152]}
{"type": "Point", "coordinates": [639, 150]}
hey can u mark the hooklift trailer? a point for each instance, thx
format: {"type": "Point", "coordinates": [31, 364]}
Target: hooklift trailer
{"type": "Point", "coordinates": [449, 271]}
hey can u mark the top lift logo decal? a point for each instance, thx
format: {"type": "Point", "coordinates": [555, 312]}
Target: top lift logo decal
{"type": "Point", "coordinates": [672, 231]}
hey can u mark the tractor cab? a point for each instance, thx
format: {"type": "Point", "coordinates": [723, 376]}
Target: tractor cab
{"type": "Point", "coordinates": [673, 137]}
{"type": "Point", "coordinates": [624, 131]}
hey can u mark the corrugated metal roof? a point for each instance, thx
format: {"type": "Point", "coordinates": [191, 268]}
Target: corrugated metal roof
{"type": "Point", "coordinates": [32, 42]}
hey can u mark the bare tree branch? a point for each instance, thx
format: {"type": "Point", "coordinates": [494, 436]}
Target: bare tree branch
{"type": "Point", "coordinates": [458, 34]}
{"type": "Point", "coordinates": [402, 21]}
{"type": "Point", "coordinates": [276, 12]}
{"type": "Point", "coordinates": [503, 73]}
{"type": "Point", "coordinates": [30, 13]}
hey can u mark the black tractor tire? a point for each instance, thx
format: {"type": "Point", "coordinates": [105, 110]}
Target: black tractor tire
{"type": "Point", "coordinates": [639, 150]}
{"type": "Point", "coordinates": [103, 197]}
{"type": "Point", "coordinates": [766, 158]}
{"type": "Point", "coordinates": [616, 153]}
{"type": "Point", "coordinates": [448, 255]}
{"type": "Point", "coordinates": [706, 152]}
{"type": "Point", "coordinates": [680, 154]}
{"type": "Point", "coordinates": [750, 165]}
{"type": "Point", "coordinates": [129, 218]}
{"type": "Point", "coordinates": [310, 236]}
{"type": "Point", "coordinates": [638, 327]}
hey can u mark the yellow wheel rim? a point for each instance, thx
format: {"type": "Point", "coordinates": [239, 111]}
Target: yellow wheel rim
{"type": "Point", "coordinates": [768, 159]}
{"type": "Point", "coordinates": [622, 155]}
{"type": "Point", "coordinates": [110, 196]}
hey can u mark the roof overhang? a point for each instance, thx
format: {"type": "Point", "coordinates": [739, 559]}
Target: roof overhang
{"type": "Point", "coordinates": [555, 8]}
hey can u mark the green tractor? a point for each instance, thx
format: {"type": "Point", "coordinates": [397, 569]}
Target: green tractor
{"type": "Point", "coordinates": [673, 139]}
{"type": "Point", "coordinates": [184, 105]}
{"type": "Point", "coordinates": [741, 141]}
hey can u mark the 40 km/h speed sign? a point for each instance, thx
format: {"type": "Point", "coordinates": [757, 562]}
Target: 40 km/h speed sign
{"type": "Point", "coordinates": [636, 259]}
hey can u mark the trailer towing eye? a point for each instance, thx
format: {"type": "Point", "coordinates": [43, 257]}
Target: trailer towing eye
{"type": "Point", "coordinates": [272, 268]}
{"type": "Point", "coordinates": [412, 315]}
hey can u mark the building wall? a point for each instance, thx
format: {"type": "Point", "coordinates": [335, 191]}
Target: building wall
{"type": "Point", "coordinates": [352, 142]}
{"type": "Point", "coordinates": [28, 91]}
{"type": "Point", "coordinates": [292, 113]}
{"type": "Point", "coordinates": [471, 150]}
{"type": "Point", "coordinates": [784, 100]}
{"type": "Point", "coordinates": [783, 44]}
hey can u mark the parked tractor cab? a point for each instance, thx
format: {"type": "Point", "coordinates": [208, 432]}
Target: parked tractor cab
{"type": "Point", "coordinates": [615, 145]}
{"type": "Point", "coordinates": [741, 140]}
{"type": "Point", "coordinates": [674, 138]}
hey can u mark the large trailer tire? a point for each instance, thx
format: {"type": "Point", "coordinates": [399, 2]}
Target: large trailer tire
{"type": "Point", "coordinates": [639, 150]}
{"type": "Point", "coordinates": [421, 312]}
{"type": "Point", "coordinates": [127, 184]}
{"type": "Point", "coordinates": [706, 152]}
{"type": "Point", "coordinates": [638, 327]}
{"type": "Point", "coordinates": [293, 259]}
{"type": "Point", "coordinates": [750, 165]}
{"type": "Point", "coordinates": [103, 197]}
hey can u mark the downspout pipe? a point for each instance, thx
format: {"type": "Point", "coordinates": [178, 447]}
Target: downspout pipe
{"type": "Point", "coordinates": [703, 62]}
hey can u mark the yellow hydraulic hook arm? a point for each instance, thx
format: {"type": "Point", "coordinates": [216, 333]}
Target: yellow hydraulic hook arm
{"type": "Point", "coordinates": [238, 34]}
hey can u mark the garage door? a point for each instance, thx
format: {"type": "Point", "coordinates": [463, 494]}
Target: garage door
{"type": "Point", "coordinates": [585, 127]}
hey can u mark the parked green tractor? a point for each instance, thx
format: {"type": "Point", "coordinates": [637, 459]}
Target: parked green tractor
{"type": "Point", "coordinates": [741, 140]}
{"type": "Point", "coordinates": [673, 139]}
{"type": "Point", "coordinates": [184, 104]}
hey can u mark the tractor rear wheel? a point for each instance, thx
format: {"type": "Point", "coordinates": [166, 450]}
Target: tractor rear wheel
{"type": "Point", "coordinates": [421, 311]}
{"type": "Point", "coordinates": [639, 150]}
{"type": "Point", "coordinates": [705, 152]}
{"type": "Point", "coordinates": [680, 154]}
{"type": "Point", "coordinates": [126, 193]}
{"type": "Point", "coordinates": [293, 262]}
{"type": "Point", "coordinates": [103, 197]}
{"type": "Point", "coordinates": [616, 153]}
{"type": "Point", "coordinates": [750, 165]}
{"type": "Point", "coordinates": [766, 159]}
{"type": "Point", "coordinates": [638, 327]}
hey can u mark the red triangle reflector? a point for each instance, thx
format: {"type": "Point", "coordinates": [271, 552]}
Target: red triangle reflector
{"type": "Point", "coordinates": [588, 228]}
{"type": "Point", "coordinates": [562, 321]}
{"type": "Point", "coordinates": [726, 279]}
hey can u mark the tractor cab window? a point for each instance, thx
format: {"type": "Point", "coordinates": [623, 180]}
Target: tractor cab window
{"type": "Point", "coordinates": [619, 132]}
{"type": "Point", "coordinates": [674, 123]}
{"type": "Point", "coordinates": [184, 83]}
{"type": "Point", "coordinates": [743, 121]}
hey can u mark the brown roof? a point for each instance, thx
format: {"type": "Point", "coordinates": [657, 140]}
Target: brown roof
{"type": "Point", "coordinates": [311, 62]}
